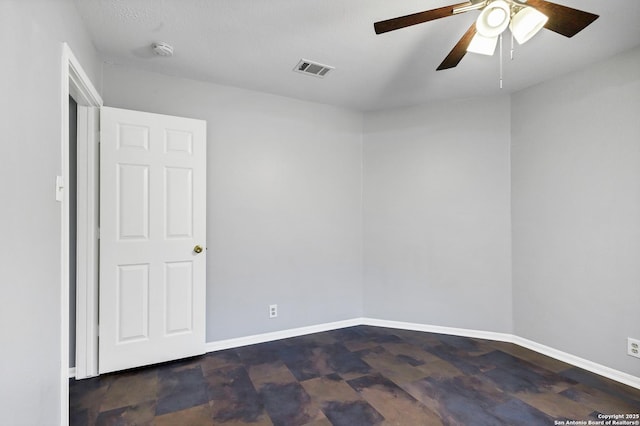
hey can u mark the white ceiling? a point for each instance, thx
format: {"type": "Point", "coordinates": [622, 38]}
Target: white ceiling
{"type": "Point", "coordinates": [255, 44]}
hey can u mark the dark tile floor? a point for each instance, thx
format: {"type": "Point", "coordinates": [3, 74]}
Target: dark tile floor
{"type": "Point", "coordinates": [354, 376]}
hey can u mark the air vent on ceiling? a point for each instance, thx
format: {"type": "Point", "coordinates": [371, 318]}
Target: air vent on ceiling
{"type": "Point", "coordinates": [313, 68]}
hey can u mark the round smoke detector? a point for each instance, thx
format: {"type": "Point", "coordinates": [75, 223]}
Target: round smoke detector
{"type": "Point", "coordinates": [162, 49]}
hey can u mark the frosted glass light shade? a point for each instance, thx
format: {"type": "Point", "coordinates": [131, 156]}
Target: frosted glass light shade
{"type": "Point", "coordinates": [526, 23]}
{"type": "Point", "coordinates": [483, 45]}
{"type": "Point", "coordinates": [493, 19]}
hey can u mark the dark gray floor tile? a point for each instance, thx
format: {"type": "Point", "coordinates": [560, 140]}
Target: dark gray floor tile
{"type": "Point", "coordinates": [354, 413]}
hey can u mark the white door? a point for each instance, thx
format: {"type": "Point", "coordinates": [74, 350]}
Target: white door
{"type": "Point", "coordinates": [152, 238]}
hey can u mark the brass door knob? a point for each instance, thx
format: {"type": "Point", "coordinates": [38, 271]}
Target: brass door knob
{"type": "Point", "coordinates": [197, 249]}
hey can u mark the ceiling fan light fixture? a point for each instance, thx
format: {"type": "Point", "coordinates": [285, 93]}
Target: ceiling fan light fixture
{"type": "Point", "coordinates": [526, 23]}
{"type": "Point", "coordinates": [493, 19]}
{"type": "Point", "coordinates": [483, 45]}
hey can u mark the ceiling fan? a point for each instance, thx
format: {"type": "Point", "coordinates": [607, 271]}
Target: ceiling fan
{"type": "Point", "coordinates": [524, 18]}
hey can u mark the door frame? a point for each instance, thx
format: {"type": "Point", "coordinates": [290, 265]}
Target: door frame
{"type": "Point", "coordinates": [76, 83]}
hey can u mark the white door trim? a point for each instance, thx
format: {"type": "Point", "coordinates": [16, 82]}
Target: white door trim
{"type": "Point", "coordinates": [74, 82]}
{"type": "Point", "coordinates": [87, 262]}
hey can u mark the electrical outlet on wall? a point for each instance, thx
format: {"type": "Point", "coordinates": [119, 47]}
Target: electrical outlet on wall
{"type": "Point", "coordinates": [633, 347]}
{"type": "Point", "coordinates": [273, 311]}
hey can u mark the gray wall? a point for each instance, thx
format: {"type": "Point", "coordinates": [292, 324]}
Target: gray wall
{"type": "Point", "coordinates": [436, 214]}
{"type": "Point", "coordinates": [30, 107]}
{"type": "Point", "coordinates": [576, 212]}
{"type": "Point", "coordinates": [284, 201]}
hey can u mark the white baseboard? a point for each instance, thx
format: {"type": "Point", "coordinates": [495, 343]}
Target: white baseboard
{"type": "Point", "coordinates": [585, 364]}
{"type": "Point", "coordinates": [277, 335]}
{"type": "Point", "coordinates": [72, 372]}
{"type": "Point", "coordinates": [478, 334]}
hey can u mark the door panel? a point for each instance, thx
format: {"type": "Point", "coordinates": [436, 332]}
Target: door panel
{"type": "Point", "coordinates": [152, 215]}
{"type": "Point", "coordinates": [178, 295]}
{"type": "Point", "coordinates": [132, 202]}
{"type": "Point", "coordinates": [179, 212]}
{"type": "Point", "coordinates": [132, 303]}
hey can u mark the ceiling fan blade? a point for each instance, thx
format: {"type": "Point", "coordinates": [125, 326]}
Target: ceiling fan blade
{"type": "Point", "coordinates": [415, 18]}
{"type": "Point", "coordinates": [459, 50]}
{"type": "Point", "coordinates": [562, 19]}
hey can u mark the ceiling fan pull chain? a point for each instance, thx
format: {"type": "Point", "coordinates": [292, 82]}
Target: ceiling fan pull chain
{"type": "Point", "coordinates": [512, 46]}
{"type": "Point", "coordinates": [501, 61]}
